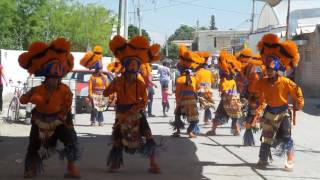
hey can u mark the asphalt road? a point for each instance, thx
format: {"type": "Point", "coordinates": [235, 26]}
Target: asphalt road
{"type": "Point", "coordinates": [206, 157]}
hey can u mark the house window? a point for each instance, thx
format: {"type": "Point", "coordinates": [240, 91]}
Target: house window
{"type": "Point", "coordinates": [215, 42]}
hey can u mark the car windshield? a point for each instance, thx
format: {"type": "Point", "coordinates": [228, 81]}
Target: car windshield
{"type": "Point", "coordinates": [155, 67]}
{"type": "Point", "coordinates": [69, 75]}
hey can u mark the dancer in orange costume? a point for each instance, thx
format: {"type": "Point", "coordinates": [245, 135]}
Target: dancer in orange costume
{"type": "Point", "coordinates": [205, 81]}
{"type": "Point", "coordinates": [97, 84]}
{"type": "Point", "coordinates": [131, 124]}
{"type": "Point", "coordinates": [230, 105]}
{"type": "Point", "coordinates": [51, 117]}
{"type": "Point", "coordinates": [186, 93]}
{"type": "Point", "coordinates": [251, 71]}
{"type": "Point", "coordinates": [277, 120]}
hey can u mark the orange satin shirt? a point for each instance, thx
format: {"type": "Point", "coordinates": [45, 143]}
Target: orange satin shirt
{"type": "Point", "coordinates": [204, 76]}
{"type": "Point", "coordinates": [181, 86]}
{"type": "Point", "coordinates": [277, 94]}
{"type": "Point", "coordinates": [129, 93]}
{"type": "Point", "coordinates": [97, 83]}
{"type": "Point", "coordinates": [227, 85]}
{"type": "Point", "coordinates": [48, 103]}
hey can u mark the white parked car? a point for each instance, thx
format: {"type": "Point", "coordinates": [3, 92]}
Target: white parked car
{"type": "Point", "coordinates": [155, 74]}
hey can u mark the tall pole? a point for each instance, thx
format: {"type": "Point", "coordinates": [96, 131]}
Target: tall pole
{"type": "Point", "coordinates": [252, 16]}
{"type": "Point", "coordinates": [119, 17]}
{"type": "Point", "coordinates": [167, 48]}
{"type": "Point", "coordinates": [125, 19]}
{"type": "Point", "coordinates": [288, 21]}
{"type": "Point", "coordinates": [139, 21]}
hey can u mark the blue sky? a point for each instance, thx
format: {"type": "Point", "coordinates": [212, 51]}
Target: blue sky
{"type": "Point", "coordinates": [163, 17]}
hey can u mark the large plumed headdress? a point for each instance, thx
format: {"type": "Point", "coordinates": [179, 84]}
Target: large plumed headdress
{"type": "Point", "coordinates": [53, 59]}
{"type": "Point", "coordinates": [282, 55]}
{"type": "Point", "coordinates": [93, 59]}
{"type": "Point", "coordinates": [115, 67]}
{"type": "Point", "coordinates": [228, 63]}
{"type": "Point", "coordinates": [134, 52]}
{"type": "Point", "coordinates": [189, 59]}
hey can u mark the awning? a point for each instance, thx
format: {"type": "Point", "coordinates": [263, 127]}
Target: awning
{"type": "Point", "coordinates": [272, 3]}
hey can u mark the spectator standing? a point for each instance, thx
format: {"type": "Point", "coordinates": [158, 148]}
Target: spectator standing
{"type": "Point", "coordinates": [165, 75]}
{"type": "Point", "coordinates": [165, 101]}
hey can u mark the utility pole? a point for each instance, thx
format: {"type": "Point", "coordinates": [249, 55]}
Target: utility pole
{"type": "Point", "coordinates": [197, 35]}
{"type": "Point", "coordinates": [288, 21]}
{"type": "Point", "coordinates": [139, 20]}
{"type": "Point", "coordinates": [125, 21]}
{"type": "Point", "coordinates": [252, 16]}
{"type": "Point", "coordinates": [119, 17]}
{"type": "Point", "coordinates": [167, 48]}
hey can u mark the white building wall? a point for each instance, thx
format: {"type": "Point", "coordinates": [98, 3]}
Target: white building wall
{"type": "Point", "coordinates": [13, 71]}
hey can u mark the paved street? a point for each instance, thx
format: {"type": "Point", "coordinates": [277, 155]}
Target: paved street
{"type": "Point", "coordinates": [215, 157]}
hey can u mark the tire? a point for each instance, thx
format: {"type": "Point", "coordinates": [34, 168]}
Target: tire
{"type": "Point", "coordinates": [13, 111]}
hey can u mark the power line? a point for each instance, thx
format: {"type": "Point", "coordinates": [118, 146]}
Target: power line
{"type": "Point", "coordinates": [201, 6]}
{"type": "Point", "coordinates": [191, 3]}
{"type": "Point", "coordinates": [166, 6]}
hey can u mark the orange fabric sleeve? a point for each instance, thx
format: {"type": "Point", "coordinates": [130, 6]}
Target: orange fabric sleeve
{"type": "Point", "coordinates": [296, 94]}
{"type": "Point", "coordinates": [90, 86]}
{"type": "Point", "coordinates": [67, 102]}
{"type": "Point", "coordinates": [25, 98]}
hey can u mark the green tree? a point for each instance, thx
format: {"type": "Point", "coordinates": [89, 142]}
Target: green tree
{"type": "Point", "coordinates": [213, 23]}
{"type": "Point", "coordinates": [173, 51]}
{"type": "Point", "coordinates": [184, 32]}
{"type": "Point", "coordinates": [25, 21]}
{"type": "Point", "coordinates": [134, 31]}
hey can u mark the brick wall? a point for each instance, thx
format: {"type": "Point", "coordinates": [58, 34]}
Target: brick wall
{"type": "Point", "coordinates": [308, 72]}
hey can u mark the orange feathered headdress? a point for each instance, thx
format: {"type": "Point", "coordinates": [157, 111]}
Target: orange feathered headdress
{"type": "Point", "coordinates": [42, 59]}
{"type": "Point", "coordinates": [137, 47]}
{"type": "Point", "coordinates": [115, 67]}
{"type": "Point", "coordinates": [229, 63]}
{"type": "Point", "coordinates": [92, 59]}
{"type": "Point", "coordinates": [244, 55]}
{"type": "Point", "coordinates": [204, 55]}
{"type": "Point", "coordinates": [286, 51]}
{"type": "Point", "coordinates": [189, 59]}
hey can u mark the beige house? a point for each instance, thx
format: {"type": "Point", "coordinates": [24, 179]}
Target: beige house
{"type": "Point", "coordinates": [215, 40]}
{"type": "Point", "coordinates": [308, 72]}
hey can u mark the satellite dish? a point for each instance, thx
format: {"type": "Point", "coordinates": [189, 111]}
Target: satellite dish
{"type": "Point", "coordinates": [272, 3]}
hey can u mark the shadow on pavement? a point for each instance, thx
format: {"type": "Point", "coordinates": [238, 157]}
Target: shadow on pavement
{"type": "Point", "coordinates": [312, 106]}
{"type": "Point", "coordinates": [178, 160]}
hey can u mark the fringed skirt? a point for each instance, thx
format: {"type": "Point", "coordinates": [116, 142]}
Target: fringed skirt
{"type": "Point", "coordinates": [232, 105]}
{"type": "Point", "coordinates": [206, 97]}
{"type": "Point", "coordinates": [276, 131]}
{"type": "Point", "coordinates": [128, 133]}
{"type": "Point", "coordinates": [99, 102]}
{"type": "Point", "coordinates": [46, 130]}
{"type": "Point", "coordinates": [188, 107]}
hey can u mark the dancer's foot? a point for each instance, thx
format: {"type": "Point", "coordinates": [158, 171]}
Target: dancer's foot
{"type": "Point", "coordinates": [262, 164]}
{"type": "Point", "coordinates": [73, 171]}
{"type": "Point", "coordinates": [192, 135]}
{"type": "Point", "coordinates": [289, 165]}
{"type": "Point", "coordinates": [175, 134]}
{"type": "Point", "coordinates": [212, 132]}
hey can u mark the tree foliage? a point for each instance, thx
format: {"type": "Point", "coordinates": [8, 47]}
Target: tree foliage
{"type": "Point", "coordinates": [213, 23]}
{"type": "Point", "coordinates": [184, 32]}
{"type": "Point", "coordinates": [134, 31]}
{"type": "Point", "coordinates": [25, 21]}
{"type": "Point", "coordinates": [173, 51]}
